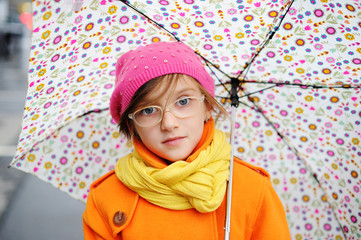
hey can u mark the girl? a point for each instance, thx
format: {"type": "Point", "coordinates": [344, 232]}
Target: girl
{"type": "Point", "coordinates": [173, 185]}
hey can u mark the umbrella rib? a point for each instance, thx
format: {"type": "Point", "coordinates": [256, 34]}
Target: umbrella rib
{"type": "Point", "coordinates": [208, 63]}
{"type": "Point", "coordinates": [272, 30]}
{"type": "Point", "coordinates": [172, 34]}
{"type": "Point", "coordinates": [240, 102]}
{"type": "Point", "coordinates": [150, 19]}
{"type": "Point", "coordinates": [215, 66]}
{"type": "Point", "coordinates": [249, 94]}
{"type": "Point", "coordinates": [295, 151]}
{"type": "Point", "coordinates": [345, 86]}
{"type": "Point", "coordinates": [264, 89]}
{"type": "Point", "coordinates": [219, 80]}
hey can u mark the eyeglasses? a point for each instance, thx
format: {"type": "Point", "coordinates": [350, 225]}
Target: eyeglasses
{"type": "Point", "coordinates": [181, 108]}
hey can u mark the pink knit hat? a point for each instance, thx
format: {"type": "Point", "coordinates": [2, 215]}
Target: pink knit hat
{"type": "Point", "coordinates": [145, 63]}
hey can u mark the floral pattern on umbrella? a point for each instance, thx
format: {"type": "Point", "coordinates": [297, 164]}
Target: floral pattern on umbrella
{"type": "Point", "coordinates": [69, 140]}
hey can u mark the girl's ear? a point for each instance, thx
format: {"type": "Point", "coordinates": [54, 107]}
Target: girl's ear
{"type": "Point", "coordinates": [208, 114]}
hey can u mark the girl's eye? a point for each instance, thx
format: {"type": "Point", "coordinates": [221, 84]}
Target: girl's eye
{"type": "Point", "coordinates": [183, 101]}
{"type": "Point", "coordinates": [148, 111]}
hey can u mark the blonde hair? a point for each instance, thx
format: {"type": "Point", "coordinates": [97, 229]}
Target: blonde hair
{"type": "Point", "coordinates": [126, 125]}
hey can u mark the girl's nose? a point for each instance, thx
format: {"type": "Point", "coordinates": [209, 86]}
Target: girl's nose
{"type": "Point", "coordinates": [169, 121]}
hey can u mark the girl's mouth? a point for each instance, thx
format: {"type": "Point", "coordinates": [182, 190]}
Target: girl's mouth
{"type": "Point", "coordinates": [173, 141]}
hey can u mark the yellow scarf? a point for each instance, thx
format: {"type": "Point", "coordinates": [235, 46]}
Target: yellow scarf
{"type": "Point", "coordinates": [199, 184]}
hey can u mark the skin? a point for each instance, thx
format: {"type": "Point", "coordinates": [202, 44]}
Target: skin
{"type": "Point", "coordinates": [173, 138]}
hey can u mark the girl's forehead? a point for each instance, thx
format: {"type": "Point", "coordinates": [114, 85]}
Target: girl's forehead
{"type": "Point", "coordinates": [170, 88]}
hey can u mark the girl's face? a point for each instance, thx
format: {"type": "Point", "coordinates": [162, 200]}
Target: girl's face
{"type": "Point", "coordinates": [174, 138]}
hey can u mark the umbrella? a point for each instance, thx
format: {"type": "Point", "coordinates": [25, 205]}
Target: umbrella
{"type": "Point", "coordinates": [295, 72]}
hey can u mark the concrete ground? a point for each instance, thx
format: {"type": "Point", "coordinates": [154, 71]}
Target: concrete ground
{"type": "Point", "coordinates": [29, 208]}
{"type": "Point", "coordinates": [37, 210]}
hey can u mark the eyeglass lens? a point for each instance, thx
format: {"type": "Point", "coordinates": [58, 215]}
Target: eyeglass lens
{"type": "Point", "coordinates": [181, 108]}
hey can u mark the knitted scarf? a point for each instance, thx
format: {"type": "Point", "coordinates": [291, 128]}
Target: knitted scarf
{"type": "Point", "coordinates": [199, 182]}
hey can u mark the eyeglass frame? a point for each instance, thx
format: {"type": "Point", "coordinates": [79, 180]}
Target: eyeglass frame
{"type": "Point", "coordinates": [163, 110]}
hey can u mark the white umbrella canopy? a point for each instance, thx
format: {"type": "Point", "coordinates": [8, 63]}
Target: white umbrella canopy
{"type": "Point", "coordinates": [299, 111]}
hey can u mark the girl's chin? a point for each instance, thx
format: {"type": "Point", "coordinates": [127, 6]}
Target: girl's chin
{"type": "Point", "coordinates": [175, 157]}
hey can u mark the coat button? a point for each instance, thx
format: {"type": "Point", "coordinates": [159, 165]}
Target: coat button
{"type": "Point", "coordinates": [119, 218]}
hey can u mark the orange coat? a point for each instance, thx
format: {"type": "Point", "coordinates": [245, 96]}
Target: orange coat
{"type": "Point", "coordinates": [115, 212]}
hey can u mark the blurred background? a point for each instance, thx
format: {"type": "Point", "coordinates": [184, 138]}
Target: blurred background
{"type": "Point", "coordinates": [29, 208]}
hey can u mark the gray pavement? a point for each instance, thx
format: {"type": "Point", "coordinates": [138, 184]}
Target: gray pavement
{"type": "Point", "coordinates": [39, 211]}
{"type": "Point", "coordinates": [29, 208]}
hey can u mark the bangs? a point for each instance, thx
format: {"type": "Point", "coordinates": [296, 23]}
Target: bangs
{"type": "Point", "coordinates": [165, 82]}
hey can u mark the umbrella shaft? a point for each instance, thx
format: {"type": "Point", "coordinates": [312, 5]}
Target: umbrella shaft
{"type": "Point", "coordinates": [230, 182]}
